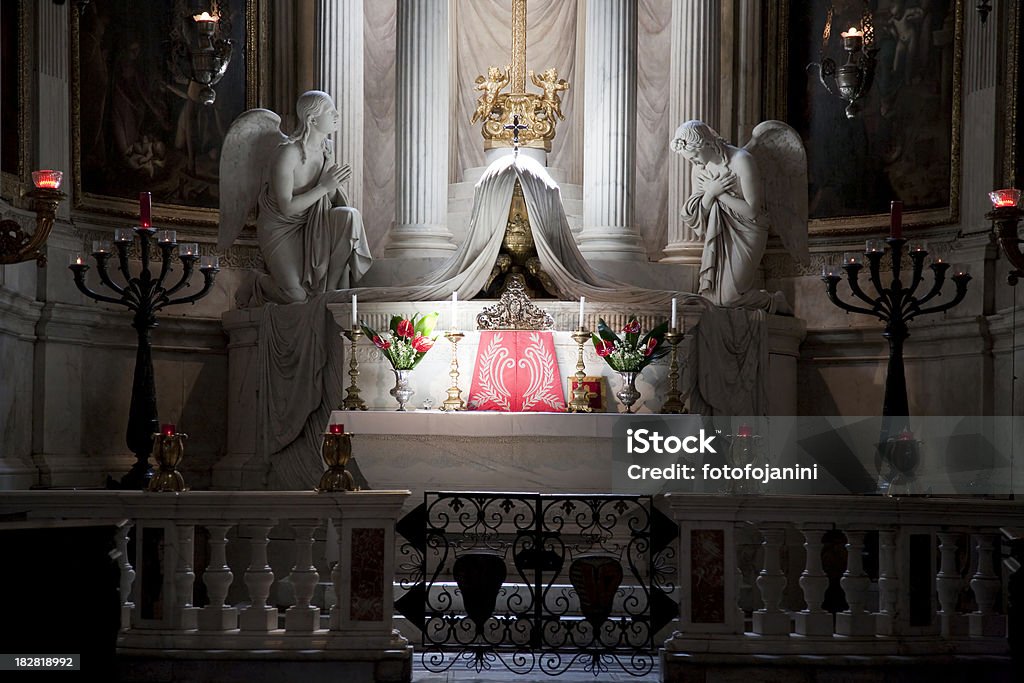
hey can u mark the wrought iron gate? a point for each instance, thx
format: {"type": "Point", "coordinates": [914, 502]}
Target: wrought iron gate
{"type": "Point", "coordinates": [537, 581]}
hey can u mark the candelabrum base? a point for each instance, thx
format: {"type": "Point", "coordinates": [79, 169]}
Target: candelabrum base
{"type": "Point", "coordinates": [336, 452]}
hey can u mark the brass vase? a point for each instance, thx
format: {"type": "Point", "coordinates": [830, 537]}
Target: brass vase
{"type": "Point", "coordinates": [168, 450]}
{"type": "Point", "coordinates": [336, 452]}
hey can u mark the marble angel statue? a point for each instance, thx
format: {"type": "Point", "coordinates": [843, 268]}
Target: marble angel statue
{"type": "Point", "coordinates": [311, 241]}
{"type": "Point", "coordinates": [737, 195]}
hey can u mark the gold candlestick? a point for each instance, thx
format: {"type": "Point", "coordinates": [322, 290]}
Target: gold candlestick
{"type": "Point", "coordinates": [168, 450]}
{"type": "Point", "coordinates": [336, 452]}
{"type": "Point", "coordinates": [579, 402]}
{"type": "Point", "coordinates": [673, 404]}
{"type": "Point", "coordinates": [454, 400]}
{"type": "Point", "coordinates": [352, 399]}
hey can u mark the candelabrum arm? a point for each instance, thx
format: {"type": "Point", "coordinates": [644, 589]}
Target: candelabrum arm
{"type": "Point", "coordinates": [879, 306]}
{"type": "Point", "coordinates": [940, 279]}
{"type": "Point", "coordinates": [188, 263]}
{"type": "Point", "coordinates": [918, 271]}
{"type": "Point", "coordinates": [961, 292]}
{"type": "Point", "coordinates": [79, 274]}
{"type": "Point", "coordinates": [208, 276]}
{"type": "Point", "coordinates": [165, 262]}
{"type": "Point", "coordinates": [122, 261]}
{"type": "Point", "coordinates": [831, 286]}
{"type": "Point", "coordinates": [101, 269]}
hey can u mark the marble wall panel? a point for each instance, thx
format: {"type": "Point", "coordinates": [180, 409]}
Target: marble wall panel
{"type": "Point", "coordinates": [378, 207]}
{"type": "Point", "coordinates": [483, 38]}
{"type": "Point", "coordinates": [15, 409]}
{"type": "Point", "coordinates": [654, 130]}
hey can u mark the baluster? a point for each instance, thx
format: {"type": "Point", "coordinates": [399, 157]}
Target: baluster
{"type": "Point", "coordinates": [771, 620]}
{"type": "Point", "coordinates": [814, 621]}
{"type": "Point", "coordinates": [888, 619]}
{"type": "Point", "coordinates": [259, 577]}
{"type": "Point", "coordinates": [948, 583]}
{"type": "Point", "coordinates": [335, 622]}
{"type": "Point", "coordinates": [302, 616]}
{"type": "Point", "coordinates": [185, 614]}
{"type": "Point", "coordinates": [218, 577]}
{"type": "Point", "coordinates": [985, 622]}
{"type": "Point", "coordinates": [127, 573]}
{"type": "Point", "coordinates": [855, 621]}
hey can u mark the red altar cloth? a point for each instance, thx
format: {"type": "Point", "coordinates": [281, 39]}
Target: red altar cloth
{"type": "Point", "coordinates": [516, 371]}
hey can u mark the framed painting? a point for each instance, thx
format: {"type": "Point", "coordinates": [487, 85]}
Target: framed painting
{"type": "Point", "coordinates": [16, 112]}
{"type": "Point", "coordinates": [139, 119]}
{"type": "Point", "coordinates": [905, 142]}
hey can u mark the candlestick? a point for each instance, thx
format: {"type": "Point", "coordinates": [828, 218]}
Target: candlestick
{"type": "Point", "coordinates": [76, 260]}
{"type": "Point", "coordinates": [355, 317]}
{"type": "Point", "coordinates": [167, 454]}
{"type": "Point", "coordinates": [168, 429]}
{"type": "Point", "coordinates": [454, 400]}
{"type": "Point", "coordinates": [874, 246]}
{"type": "Point", "coordinates": [674, 402]}
{"type": "Point", "coordinates": [123, 235]}
{"type": "Point", "coordinates": [579, 402]}
{"type": "Point", "coordinates": [352, 399]}
{"type": "Point", "coordinates": [188, 249]}
{"type": "Point", "coordinates": [167, 236]}
{"type": "Point", "coordinates": [145, 210]}
{"type": "Point", "coordinates": [896, 220]}
{"type": "Point", "coordinates": [209, 263]}
{"type": "Point", "coordinates": [336, 452]}
{"type": "Point", "coordinates": [101, 246]}
{"type": "Point", "coordinates": [673, 313]}
{"type": "Point", "coordinates": [455, 301]}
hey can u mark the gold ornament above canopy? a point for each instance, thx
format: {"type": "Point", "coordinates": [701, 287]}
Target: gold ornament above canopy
{"type": "Point", "coordinates": [538, 112]}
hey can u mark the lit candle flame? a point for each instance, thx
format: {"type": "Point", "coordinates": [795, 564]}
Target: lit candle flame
{"type": "Point", "coordinates": [206, 16]}
{"type": "Point", "coordinates": [852, 33]}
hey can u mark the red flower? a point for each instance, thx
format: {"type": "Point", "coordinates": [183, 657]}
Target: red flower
{"type": "Point", "coordinates": [652, 344]}
{"type": "Point", "coordinates": [422, 344]}
{"type": "Point", "coordinates": [405, 329]}
{"type": "Point", "coordinates": [632, 327]}
{"type": "Point", "coordinates": [380, 343]}
{"type": "Point", "coordinates": [604, 348]}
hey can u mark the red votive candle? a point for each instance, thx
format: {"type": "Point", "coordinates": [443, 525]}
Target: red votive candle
{"type": "Point", "coordinates": [168, 429]}
{"type": "Point", "coordinates": [896, 220]}
{"type": "Point", "coordinates": [905, 435]}
{"type": "Point", "coordinates": [745, 430]}
{"type": "Point", "coordinates": [145, 210]}
{"type": "Point", "coordinates": [336, 429]}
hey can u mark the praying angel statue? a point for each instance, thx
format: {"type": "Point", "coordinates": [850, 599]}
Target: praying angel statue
{"type": "Point", "coordinates": [311, 240]}
{"type": "Point", "coordinates": [736, 196]}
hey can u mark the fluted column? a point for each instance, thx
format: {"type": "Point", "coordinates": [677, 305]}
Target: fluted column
{"type": "Point", "coordinates": [339, 72]}
{"type": "Point", "coordinates": [609, 152]}
{"type": "Point", "coordinates": [693, 94]}
{"type": "Point", "coordinates": [421, 146]}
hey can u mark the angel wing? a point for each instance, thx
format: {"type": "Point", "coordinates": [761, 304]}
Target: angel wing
{"type": "Point", "coordinates": [782, 161]}
{"type": "Point", "coordinates": [248, 146]}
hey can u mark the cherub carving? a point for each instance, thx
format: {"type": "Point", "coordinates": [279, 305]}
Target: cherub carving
{"type": "Point", "coordinates": [551, 84]}
{"type": "Point", "coordinates": [496, 79]}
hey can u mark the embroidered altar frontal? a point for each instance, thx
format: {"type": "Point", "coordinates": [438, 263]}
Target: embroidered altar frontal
{"type": "Point", "coordinates": [516, 371]}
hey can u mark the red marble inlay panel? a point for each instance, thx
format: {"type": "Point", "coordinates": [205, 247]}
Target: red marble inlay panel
{"type": "Point", "coordinates": [707, 576]}
{"type": "Point", "coordinates": [367, 596]}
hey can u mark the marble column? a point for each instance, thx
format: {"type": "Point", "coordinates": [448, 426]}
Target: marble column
{"type": "Point", "coordinates": [609, 138]}
{"type": "Point", "coordinates": [693, 94]}
{"type": "Point", "coordinates": [421, 146]}
{"type": "Point", "coordinates": [339, 72]}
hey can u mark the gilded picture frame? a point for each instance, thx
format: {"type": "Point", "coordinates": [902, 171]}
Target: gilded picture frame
{"type": "Point", "coordinates": [15, 85]}
{"type": "Point", "coordinates": [905, 143]}
{"type": "Point", "coordinates": [135, 125]}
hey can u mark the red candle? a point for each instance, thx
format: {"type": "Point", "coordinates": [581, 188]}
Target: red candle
{"type": "Point", "coordinates": [145, 209]}
{"type": "Point", "coordinates": [168, 429]}
{"type": "Point", "coordinates": [745, 430]}
{"type": "Point", "coordinates": [896, 220]}
{"type": "Point", "coordinates": [336, 429]}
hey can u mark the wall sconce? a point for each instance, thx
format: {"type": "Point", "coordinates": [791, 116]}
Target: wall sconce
{"type": "Point", "coordinates": [210, 57]}
{"type": "Point", "coordinates": [853, 79]}
{"type": "Point", "coordinates": [16, 245]}
{"type": "Point", "coordinates": [1005, 215]}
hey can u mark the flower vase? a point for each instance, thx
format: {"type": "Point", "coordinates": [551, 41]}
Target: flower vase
{"type": "Point", "coordinates": [401, 391]}
{"type": "Point", "coordinates": [628, 394]}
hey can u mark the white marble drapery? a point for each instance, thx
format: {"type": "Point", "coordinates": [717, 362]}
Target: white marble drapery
{"type": "Point", "coordinates": [421, 149]}
{"type": "Point", "coordinates": [693, 94]}
{"type": "Point", "coordinates": [609, 149]}
{"type": "Point", "coordinates": [339, 72]}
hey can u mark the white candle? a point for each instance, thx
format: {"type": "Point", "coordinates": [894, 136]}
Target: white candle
{"type": "Point", "coordinates": [582, 300]}
{"type": "Point", "coordinates": [354, 316]}
{"type": "Point", "coordinates": [455, 301]}
{"type": "Point", "coordinates": [673, 313]}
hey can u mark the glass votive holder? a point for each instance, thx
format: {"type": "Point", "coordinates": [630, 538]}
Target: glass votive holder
{"type": "Point", "coordinates": [874, 247]}
{"type": "Point", "coordinates": [167, 236]}
{"type": "Point", "coordinates": [831, 270]}
{"type": "Point", "coordinates": [209, 262]}
{"type": "Point", "coordinates": [76, 260]}
{"type": "Point", "coordinates": [917, 247]}
{"type": "Point", "coordinates": [188, 249]}
{"type": "Point", "coordinates": [47, 179]}
{"type": "Point", "coordinates": [1004, 198]}
{"type": "Point", "coordinates": [101, 246]}
{"type": "Point", "coordinates": [852, 258]}
{"type": "Point", "coordinates": [961, 270]}
{"type": "Point", "coordinates": [124, 235]}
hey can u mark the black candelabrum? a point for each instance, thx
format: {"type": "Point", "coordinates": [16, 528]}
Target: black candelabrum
{"type": "Point", "coordinates": [145, 295]}
{"type": "Point", "coordinates": [895, 305]}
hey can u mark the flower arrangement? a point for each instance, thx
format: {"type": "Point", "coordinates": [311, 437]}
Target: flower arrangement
{"type": "Point", "coordinates": [407, 341]}
{"type": "Point", "coordinates": [634, 352]}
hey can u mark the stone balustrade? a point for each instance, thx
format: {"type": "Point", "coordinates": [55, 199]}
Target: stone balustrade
{"type": "Point", "coordinates": [787, 579]}
{"type": "Point", "coordinates": [163, 628]}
